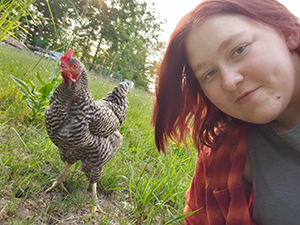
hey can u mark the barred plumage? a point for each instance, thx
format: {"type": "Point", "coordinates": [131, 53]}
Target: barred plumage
{"type": "Point", "coordinates": [81, 128]}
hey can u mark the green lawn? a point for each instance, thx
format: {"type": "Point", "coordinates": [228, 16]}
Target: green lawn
{"type": "Point", "coordinates": [138, 186]}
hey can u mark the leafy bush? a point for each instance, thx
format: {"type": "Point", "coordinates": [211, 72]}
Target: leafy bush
{"type": "Point", "coordinates": [37, 100]}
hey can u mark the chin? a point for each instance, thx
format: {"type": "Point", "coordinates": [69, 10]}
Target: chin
{"type": "Point", "coordinates": [261, 119]}
{"type": "Point", "coordinates": [258, 117]}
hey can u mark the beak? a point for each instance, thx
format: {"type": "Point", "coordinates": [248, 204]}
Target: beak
{"type": "Point", "coordinates": [60, 69]}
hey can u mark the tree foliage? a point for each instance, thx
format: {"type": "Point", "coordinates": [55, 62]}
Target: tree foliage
{"type": "Point", "coordinates": [124, 32]}
{"type": "Point", "coordinates": [12, 12]}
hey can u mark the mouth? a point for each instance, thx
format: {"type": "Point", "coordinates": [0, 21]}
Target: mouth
{"type": "Point", "coordinates": [60, 69]}
{"type": "Point", "coordinates": [246, 96]}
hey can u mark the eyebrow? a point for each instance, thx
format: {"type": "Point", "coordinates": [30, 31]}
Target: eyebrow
{"type": "Point", "coordinates": [199, 66]}
{"type": "Point", "coordinates": [222, 46]}
{"type": "Point", "coordinates": [229, 40]}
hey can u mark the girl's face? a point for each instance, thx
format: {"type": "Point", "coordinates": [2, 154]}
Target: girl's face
{"type": "Point", "coordinates": [246, 69]}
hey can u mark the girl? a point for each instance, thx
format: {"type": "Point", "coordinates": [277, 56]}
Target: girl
{"type": "Point", "coordinates": [231, 77]}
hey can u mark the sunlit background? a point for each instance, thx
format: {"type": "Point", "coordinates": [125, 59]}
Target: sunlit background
{"type": "Point", "coordinates": [172, 11]}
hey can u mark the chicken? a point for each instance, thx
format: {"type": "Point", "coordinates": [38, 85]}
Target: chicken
{"type": "Point", "coordinates": [82, 128]}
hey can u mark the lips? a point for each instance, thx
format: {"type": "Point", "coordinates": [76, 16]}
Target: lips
{"type": "Point", "coordinates": [246, 96]}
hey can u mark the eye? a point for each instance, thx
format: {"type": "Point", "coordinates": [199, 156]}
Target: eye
{"type": "Point", "coordinates": [239, 50]}
{"type": "Point", "coordinates": [75, 66]}
{"type": "Point", "coordinates": [209, 74]}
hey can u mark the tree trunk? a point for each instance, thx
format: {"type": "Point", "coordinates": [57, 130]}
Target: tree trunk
{"type": "Point", "coordinates": [98, 48]}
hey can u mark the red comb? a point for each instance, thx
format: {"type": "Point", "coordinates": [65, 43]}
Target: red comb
{"type": "Point", "coordinates": [67, 56]}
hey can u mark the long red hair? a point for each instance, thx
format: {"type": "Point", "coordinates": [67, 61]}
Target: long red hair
{"type": "Point", "coordinates": [180, 106]}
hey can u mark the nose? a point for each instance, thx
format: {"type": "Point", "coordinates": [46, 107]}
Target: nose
{"type": "Point", "coordinates": [231, 78]}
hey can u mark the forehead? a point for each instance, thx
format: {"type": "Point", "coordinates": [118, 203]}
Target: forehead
{"type": "Point", "coordinates": [219, 27]}
{"type": "Point", "coordinates": [219, 30]}
{"type": "Point", "coordinates": [74, 60]}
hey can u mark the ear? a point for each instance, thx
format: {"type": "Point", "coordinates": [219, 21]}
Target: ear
{"type": "Point", "coordinates": [292, 41]}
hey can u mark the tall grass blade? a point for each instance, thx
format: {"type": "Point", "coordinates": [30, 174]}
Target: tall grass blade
{"type": "Point", "coordinates": [24, 87]}
{"type": "Point", "coordinates": [182, 217]}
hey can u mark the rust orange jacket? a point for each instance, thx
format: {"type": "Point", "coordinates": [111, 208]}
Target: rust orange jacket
{"type": "Point", "coordinates": [217, 188]}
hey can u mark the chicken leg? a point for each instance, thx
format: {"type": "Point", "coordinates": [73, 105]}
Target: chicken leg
{"type": "Point", "coordinates": [94, 198]}
{"type": "Point", "coordinates": [60, 179]}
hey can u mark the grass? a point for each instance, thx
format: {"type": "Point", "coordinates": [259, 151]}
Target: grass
{"type": "Point", "coordinates": [138, 186]}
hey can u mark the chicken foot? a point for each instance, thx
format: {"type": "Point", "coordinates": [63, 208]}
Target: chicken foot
{"type": "Point", "coordinates": [94, 199]}
{"type": "Point", "coordinates": [60, 179]}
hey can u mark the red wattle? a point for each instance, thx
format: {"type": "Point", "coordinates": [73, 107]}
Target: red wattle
{"type": "Point", "coordinates": [71, 78]}
{"type": "Point", "coordinates": [77, 75]}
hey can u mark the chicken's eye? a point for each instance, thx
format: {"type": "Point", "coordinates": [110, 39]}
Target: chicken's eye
{"type": "Point", "coordinates": [75, 66]}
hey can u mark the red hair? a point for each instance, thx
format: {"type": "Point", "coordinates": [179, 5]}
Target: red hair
{"type": "Point", "coordinates": [181, 106]}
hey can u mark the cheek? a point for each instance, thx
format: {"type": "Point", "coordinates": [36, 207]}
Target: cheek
{"type": "Point", "coordinates": [215, 95]}
{"type": "Point", "coordinates": [256, 65]}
